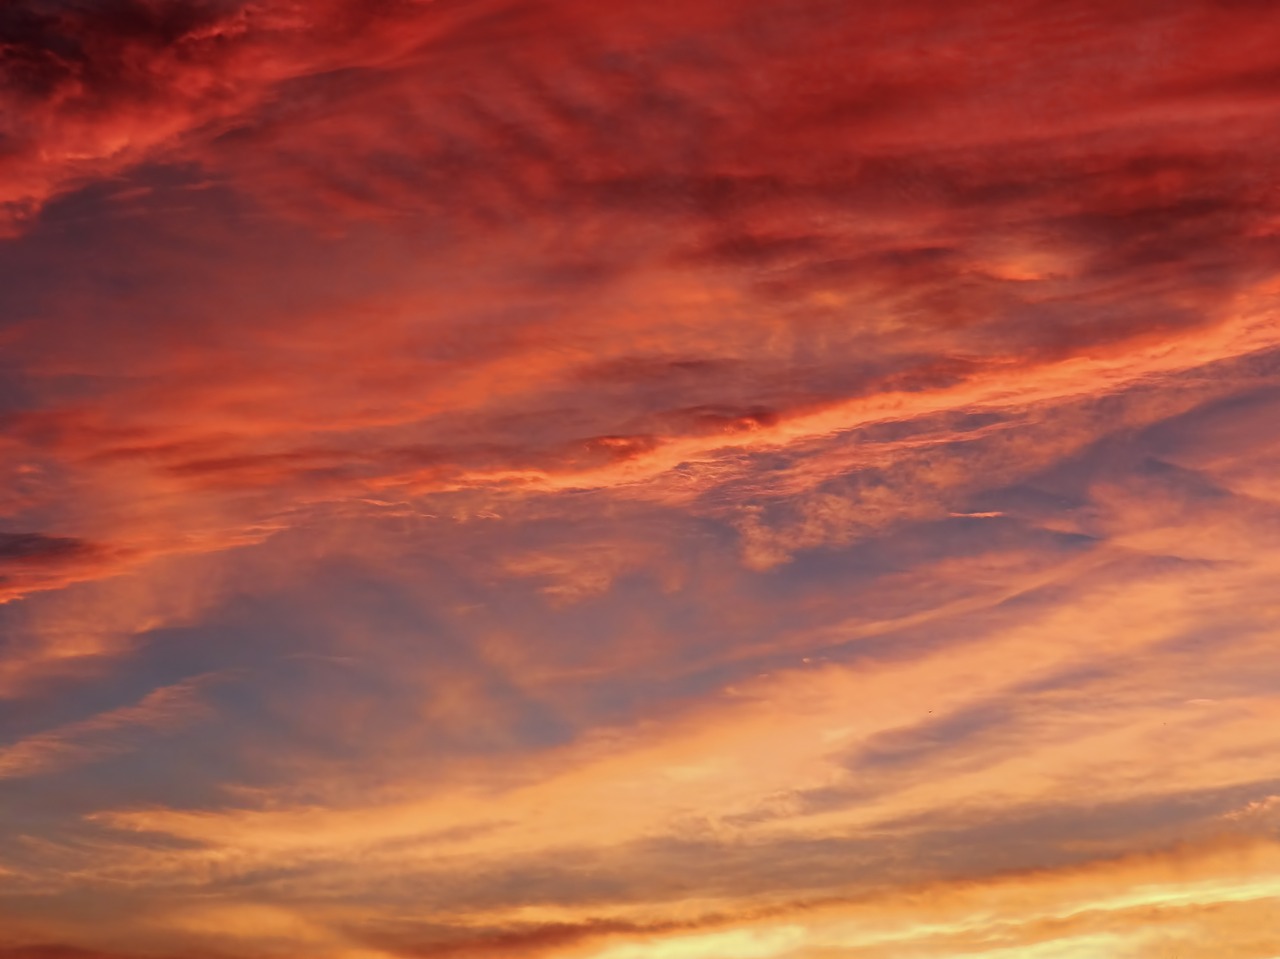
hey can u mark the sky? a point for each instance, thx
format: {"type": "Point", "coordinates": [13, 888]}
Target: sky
{"type": "Point", "coordinates": [651, 479]}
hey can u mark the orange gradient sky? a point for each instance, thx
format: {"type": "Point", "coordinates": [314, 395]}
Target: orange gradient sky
{"type": "Point", "coordinates": [684, 479]}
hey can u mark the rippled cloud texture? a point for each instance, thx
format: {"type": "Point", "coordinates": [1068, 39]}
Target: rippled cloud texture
{"type": "Point", "coordinates": [693, 479]}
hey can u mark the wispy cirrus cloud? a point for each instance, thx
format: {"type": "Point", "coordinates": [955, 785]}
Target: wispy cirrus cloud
{"type": "Point", "coordinates": [681, 479]}
{"type": "Point", "coordinates": [104, 734]}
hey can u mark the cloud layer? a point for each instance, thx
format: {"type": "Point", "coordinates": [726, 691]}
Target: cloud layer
{"type": "Point", "coordinates": [595, 480]}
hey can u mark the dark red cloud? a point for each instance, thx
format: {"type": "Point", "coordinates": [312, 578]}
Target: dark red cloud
{"type": "Point", "coordinates": [60, 952]}
{"type": "Point", "coordinates": [38, 549]}
{"type": "Point", "coordinates": [90, 89]}
{"type": "Point", "coordinates": [35, 561]}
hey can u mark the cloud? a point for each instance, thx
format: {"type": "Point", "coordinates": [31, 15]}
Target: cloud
{"type": "Point", "coordinates": [104, 734]}
{"type": "Point", "coordinates": [54, 952]}
{"type": "Point", "coordinates": [36, 561]}
{"type": "Point", "coordinates": [36, 549]}
{"type": "Point", "coordinates": [668, 479]}
{"type": "Point", "coordinates": [91, 90]}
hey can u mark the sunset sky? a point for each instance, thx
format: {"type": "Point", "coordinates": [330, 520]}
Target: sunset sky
{"type": "Point", "coordinates": [640, 479]}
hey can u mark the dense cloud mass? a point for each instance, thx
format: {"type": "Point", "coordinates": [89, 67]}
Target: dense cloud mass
{"type": "Point", "coordinates": [579, 480]}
